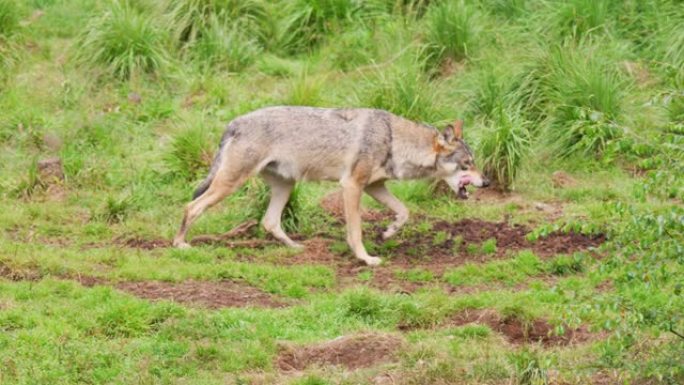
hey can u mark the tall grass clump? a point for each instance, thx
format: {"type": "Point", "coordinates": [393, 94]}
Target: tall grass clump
{"type": "Point", "coordinates": [509, 9]}
{"type": "Point", "coordinates": [410, 8]}
{"type": "Point", "coordinates": [403, 89]}
{"type": "Point", "coordinates": [352, 48]}
{"type": "Point", "coordinates": [503, 146]}
{"type": "Point", "coordinates": [190, 18]}
{"type": "Point", "coordinates": [304, 24]}
{"type": "Point", "coordinates": [191, 153]}
{"type": "Point", "coordinates": [224, 48]}
{"type": "Point", "coordinates": [304, 90]}
{"type": "Point", "coordinates": [124, 40]}
{"type": "Point", "coordinates": [579, 18]}
{"type": "Point", "coordinates": [451, 32]}
{"type": "Point", "coordinates": [668, 45]}
{"type": "Point", "coordinates": [585, 100]}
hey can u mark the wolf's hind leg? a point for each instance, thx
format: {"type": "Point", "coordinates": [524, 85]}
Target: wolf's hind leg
{"type": "Point", "coordinates": [220, 188]}
{"type": "Point", "coordinates": [280, 194]}
{"type": "Point", "coordinates": [380, 193]}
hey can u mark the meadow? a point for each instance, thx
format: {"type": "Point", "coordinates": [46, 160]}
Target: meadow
{"type": "Point", "coordinates": [570, 270]}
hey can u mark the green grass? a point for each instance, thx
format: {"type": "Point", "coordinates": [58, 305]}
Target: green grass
{"type": "Point", "coordinates": [451, 31]}
{"type": "Point", "coordinates": [504, 146]}
{"type": "Point", "coordinates": [125, 41]}
{"type": "Point", "coordinates": [133, 96]}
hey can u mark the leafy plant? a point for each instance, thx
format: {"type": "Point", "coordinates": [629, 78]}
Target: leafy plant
{"type": "Point", "coordinates": [587, 95]}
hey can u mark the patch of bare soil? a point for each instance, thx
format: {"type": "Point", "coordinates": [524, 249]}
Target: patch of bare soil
{"type": "Point", "coordinates": [203, 293]}
{"type": "Point", "coordinates": [443, 247]}
{"type": "Point", "coordinates": [508, 238]}
{"type": "Point", "coordinates": [351, 352]}
{"type": "Point", "coordinates": [517, 331]}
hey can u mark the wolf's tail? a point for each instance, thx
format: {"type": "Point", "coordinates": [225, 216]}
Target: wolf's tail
{"type": "Point", "coordinates": [202, 188]}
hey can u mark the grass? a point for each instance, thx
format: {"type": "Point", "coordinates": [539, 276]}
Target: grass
{"type": "Point", "coordinates": [504, 147]}
{"type": "Point", "coordinates": [451, 32]}
{"type": "Point", "coordinates": [125, 41]}
{"type": "Point", "coordinates": [133, 97]}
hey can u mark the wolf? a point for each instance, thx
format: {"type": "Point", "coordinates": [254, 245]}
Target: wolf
{"type": "Point", "coordinates": [359, 148]}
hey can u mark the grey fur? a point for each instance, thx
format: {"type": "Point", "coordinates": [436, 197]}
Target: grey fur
{"type": "Point", "coordinates": [360, 148]}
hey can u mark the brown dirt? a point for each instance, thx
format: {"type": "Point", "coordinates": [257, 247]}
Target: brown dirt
{"type": "Point", "coordinates": [519, 332]}
{"type": "Point", "coordinates": [351, 352]}
{"type": "Point", "coordinates": [422, 251]}
{"type": "Point", "coordinates": [419, 250]}
{"type": "Point", "coordinates": [19, 274]}
{"type": "Point", "coordinates": [203, 293]}
{"type": "Point", "coordinates": [561, 179]}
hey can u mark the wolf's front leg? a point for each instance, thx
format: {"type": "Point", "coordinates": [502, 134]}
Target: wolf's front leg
{"type": "Point", "coordinates": [351, 192]}
{"type": "Point", "coordinates": [380, 193]}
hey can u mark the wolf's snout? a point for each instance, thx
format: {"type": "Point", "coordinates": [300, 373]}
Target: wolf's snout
{"type": "Point", "coordinates": [485, 182]}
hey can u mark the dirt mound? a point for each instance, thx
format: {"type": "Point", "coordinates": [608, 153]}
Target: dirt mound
{"type": "Point", "coordinates": [352, 352]}
{"type": "Point", "coordinates": [519, 331]}
{"type": "Point", "coordinates": [203, 293]}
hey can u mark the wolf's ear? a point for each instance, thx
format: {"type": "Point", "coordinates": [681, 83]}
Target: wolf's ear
{"type": "Point", "coordinates": [454, 132]}
{"type": "Point", "coordinates": [458, 129]}
{"type": "Point", "coordinates": [443, 144]}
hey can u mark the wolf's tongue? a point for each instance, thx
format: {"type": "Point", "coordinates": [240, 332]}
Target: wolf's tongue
{"type": "Point", "coordinates": [464, 181]}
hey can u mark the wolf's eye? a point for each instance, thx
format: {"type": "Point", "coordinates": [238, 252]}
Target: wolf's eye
{"type": "Point", "coordinates": [464, 167]}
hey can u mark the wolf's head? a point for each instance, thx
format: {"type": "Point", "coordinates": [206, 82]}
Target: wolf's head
{"type": "Point", "coordinates": [455, 161]}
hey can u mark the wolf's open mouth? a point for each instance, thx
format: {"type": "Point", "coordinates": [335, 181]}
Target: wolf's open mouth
{"type": "Point", "coordinates": [462, 192]}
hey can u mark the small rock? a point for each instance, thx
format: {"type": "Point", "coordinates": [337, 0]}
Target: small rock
{"type": "Point", "coordinates": [561, 179]}
{"type": "Point", "coordinates": [134, 98]}
{"type": "Point", "coordinates": [50, 171]}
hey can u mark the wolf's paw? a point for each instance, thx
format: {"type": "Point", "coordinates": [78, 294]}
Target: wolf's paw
{"type": "Point", "coordinates": [373, 261]}
{"type": "Point", "coordinates": [389, 233]}
{"type": "Point", "coordinates": [181, 245]}
{"type": "Point", "coordinates": [296, 246]}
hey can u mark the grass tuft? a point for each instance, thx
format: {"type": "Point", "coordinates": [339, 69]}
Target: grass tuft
{"type": "Point", "coordinates": [124, 40]}
{"type": "Point", "coordinates": [224, 48]}
{"type": "Point", "coordinates": [452, 32]}
{"type": "Point", "coordinates": [404, 90]}
{"type": "Point", "coordinates": [190, 154]}
{"type": "Point", "coordinates": [190, 19]}
{"type": "Point", "coordinates": [504, 147]}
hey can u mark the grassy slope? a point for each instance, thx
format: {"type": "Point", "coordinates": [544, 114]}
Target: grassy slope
{"type": "Point", "coordinates": [131, 167]}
